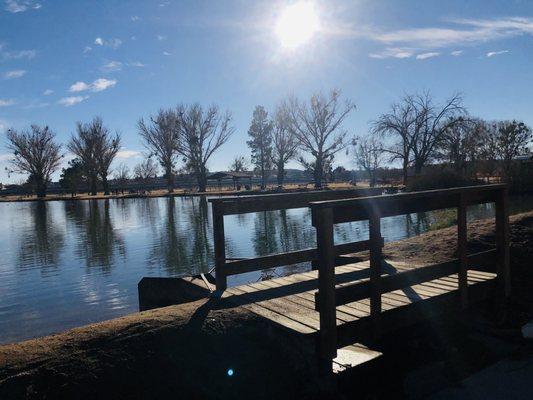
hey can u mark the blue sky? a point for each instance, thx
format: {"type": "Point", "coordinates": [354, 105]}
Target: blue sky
{"type": "Point", "coordinates": [68, 61]}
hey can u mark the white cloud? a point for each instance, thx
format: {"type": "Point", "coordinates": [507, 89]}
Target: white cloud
{"type": "Point", "coordinates": [113, 43]}
{"type": "Point", "coordinates": [456, 53]}
{"type": "Point", "coordinates": [6, 102]}
{"type": "Point", "coordinates": [425, 56]}
{"type": "Point", "coordinates": [17, 73]}
{"type": "Point", "coordinates": [161, 37]}
{"type": "Point", "coordinates": [128, 154]}
{"type": "Point", "coordinates": [111, 66]}
{"type": "Point", "coordinates": [16, 6]}
{"type": "Point", "coordinates": [6, 156]}
{"type": "Point", "coordinates": [78, 87]}
{"type": "Point", "coordinates": [135, 18]}
{"type": "Point", "coordinates": [102, 84]}
{"type": "Point", "coordinates": [98, 85]}
{"type": "Point", "coordinates": [48, 92]}
{"type": "Point", "coordinates": [496, 53]}
{"type": "Point", "coordinates": [137, 64]}
{"type": "Point", "coordinates": [393, 52]}
{"type": "Point", "coordinates": [87, 49]}
{"type": "Point", "coordinates": [70, 101]}
{"type": "Point", "coordinates": [166, 53]}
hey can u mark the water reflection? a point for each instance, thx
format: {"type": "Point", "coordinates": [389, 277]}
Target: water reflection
{"type": "Point", "coordinates": [42, 243]}
{"type": "Point", "coordinates": [96, 241]}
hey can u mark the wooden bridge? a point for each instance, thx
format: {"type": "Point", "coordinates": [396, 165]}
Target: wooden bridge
{"type": "Point", "coordinates": [343, 301]}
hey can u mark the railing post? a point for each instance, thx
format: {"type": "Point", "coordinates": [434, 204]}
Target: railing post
{"type": "Point", "coordinates": [327, 336]}
{"type": "Point", "coordinates": [462, 251]}
{"type": "Point", "coordinates": [220, 247]}
{"type": "Point", "coordinates": [502, 241]}
{"type": "Point", "coordinates": [374, 228]}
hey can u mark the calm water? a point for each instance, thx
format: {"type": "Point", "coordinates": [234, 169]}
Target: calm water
{"type": "Point", "coordinates": [65, 264]}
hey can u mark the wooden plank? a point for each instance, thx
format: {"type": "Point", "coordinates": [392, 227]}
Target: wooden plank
{"type": "Point", "coordinates": [292, 257]}
{"type": "Point", "coordinates": [284, 201]}
{"type": "Point", "coordinates": [502, 241]}
{"type": "Point", "coordinates": [220, 248]}
{"type": "Point", "coordinates": [462, 251]}
{"type": "Point", "coordinates": [405, 203]}
{"type": "Point", "coordinates": [357, 291]}
{"type": "Point", "coordinates": [327, 337]}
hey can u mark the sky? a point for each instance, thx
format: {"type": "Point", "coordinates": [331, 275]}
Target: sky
{"type": "Point", "coordinates": [68, 61]}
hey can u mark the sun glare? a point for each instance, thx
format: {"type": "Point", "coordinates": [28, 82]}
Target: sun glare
{"type": "Point", "coordinates": [297, 24]}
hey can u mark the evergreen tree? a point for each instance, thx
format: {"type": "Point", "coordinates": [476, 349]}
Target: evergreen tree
{"type": "Point", "coordinates": [261, 143]}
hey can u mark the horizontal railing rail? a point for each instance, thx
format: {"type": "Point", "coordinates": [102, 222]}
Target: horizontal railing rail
{"type": "Point", "coordinates": [223, 206]}
{"type": "Point", "coordinates": [325, 214]}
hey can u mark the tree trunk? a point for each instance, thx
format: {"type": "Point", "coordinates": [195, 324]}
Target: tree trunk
{"type": "Point", "coordinates": [41, 188]}
{"type": "Point", "coordinates": [317, 173]}
{"type": "Point", "coordinates": [418, 168]}
{"type": "Point", "coordinates": [170, 179]}
{"type": "Point", "coordinates": [281, 173]}
{"type": "Point", "coordinates": [201, 176]}
{"type": "Point", "coordinates": [94, 180]}
{"type": "Point", "coordinates": [404, 170]}
{"type": "Point", "coordinates": [105, 184]}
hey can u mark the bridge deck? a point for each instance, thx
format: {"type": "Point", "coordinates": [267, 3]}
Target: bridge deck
{"type": "Point", "coordinates": [289, 301]}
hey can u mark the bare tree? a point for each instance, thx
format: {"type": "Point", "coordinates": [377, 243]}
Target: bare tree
{"type": "Point", "coordinates": [96, 149]}
{"type": "Point", "coordinates": [368, 153]}
{"type": "Point", "coordinates": [145, 172]}
{"type": "Point", "coordinates": [284, 142]}
{"type": "Point", "coordinates": [260, 132]}
{"type": "Point", "coordinates": [416, 126]}
{"type": "Point", "coordinates": [35, 153]}
{"type": "Point", "coordinates": [462, 142]}
{"type": "Point", "coordinates": [239, 164]}
{"type": "Point", "coordinates": [317, 127]}
{"type": "Point", "coordinates": [161, 139]}
{"type": "Point", "coordinates": [122, 176]}
{"type": "Point", "coordinates": [512, 140]}
{"type": "Point", "coordinates": [201, 133]}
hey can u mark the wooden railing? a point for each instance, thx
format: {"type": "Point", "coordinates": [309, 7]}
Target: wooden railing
{"type": "Point", "coordinates": [327, 213]}
{"type": "Point", "coordinates": [271, 202]}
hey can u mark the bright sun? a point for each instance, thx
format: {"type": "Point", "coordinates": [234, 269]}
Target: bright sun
{"type": "Point", "coordinates": [297, 24]}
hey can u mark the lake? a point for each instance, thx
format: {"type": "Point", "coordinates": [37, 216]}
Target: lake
{"type": "Point", "coordinates": [68, 263]}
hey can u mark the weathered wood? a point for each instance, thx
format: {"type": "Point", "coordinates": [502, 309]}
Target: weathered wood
{"type": "Point", "coordinates": [220, 248]}
{"type": "Point", "coordinates": [357, 291]}
{"type": "Point", "coordinates": [374, 228]}
{"type": "Point", "coordinates": [288, 258]}
{"type": "Point", "coordinates": [462, 251]}
{"type": "Point", "coordinates": [327, 338]}
{"type": "Point", "coordinates": [285, 201]}
{"type": "Point", "coordinates": [359, 209]}
{"type": "Point", "coordinates": [502, 241]}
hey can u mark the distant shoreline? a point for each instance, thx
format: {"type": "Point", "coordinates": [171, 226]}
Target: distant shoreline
{"type": "Point", "coordinates": [178, 193]}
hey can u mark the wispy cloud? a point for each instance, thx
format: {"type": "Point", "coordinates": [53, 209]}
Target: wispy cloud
{"type": "Point", "coordinates": [137, 64]}
{"type": "Point", "coordinates": [48, 92]}
{"type": "Point", "coordinates": [456, 53]}
{"type": "Point", "coordinates": [18, 54]}
{"type": "Point", "coordinates": [16, 6]}
{"type": "Point", "coordinates": [70, 101]}
{"type": "Point", "coordinates": [6, 102]}
{"type": "Point", "coordinates": [113, 43]}
{"type": "Point", "coordinates": [496, 53]}
{"type": "Point", "coordinates": [393, 52]}
{"type": "Point", "coordinates": [98, 85]}
{"type": "Point", "coordinates": [135, 18]}
{"type": "Point", "coordinates": [128, 154]}
{"type": "Point", "coordinates": [111, 66]}
{"type": "Point", "coordinates": [161, 37]}
{"type": "Point", "coordinates": [87, 49]}
{"type": "Point", "coordinates": [166, 53]}
{"type": "Point", "coordinates": [425, 56]}
{"type": "Point", "coordinates": [17, 73]}
{"type": "Point", "coordinates": [463, 32]}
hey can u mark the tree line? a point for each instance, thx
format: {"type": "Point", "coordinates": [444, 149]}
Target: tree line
{"type": "Point", "coordinates": [416, 131]}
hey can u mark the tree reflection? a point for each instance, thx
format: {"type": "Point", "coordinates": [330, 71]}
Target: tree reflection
{"type": "Point", "coordinates": [97, 242]}
{"type": "Point", "coordinates": [43, 242]}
